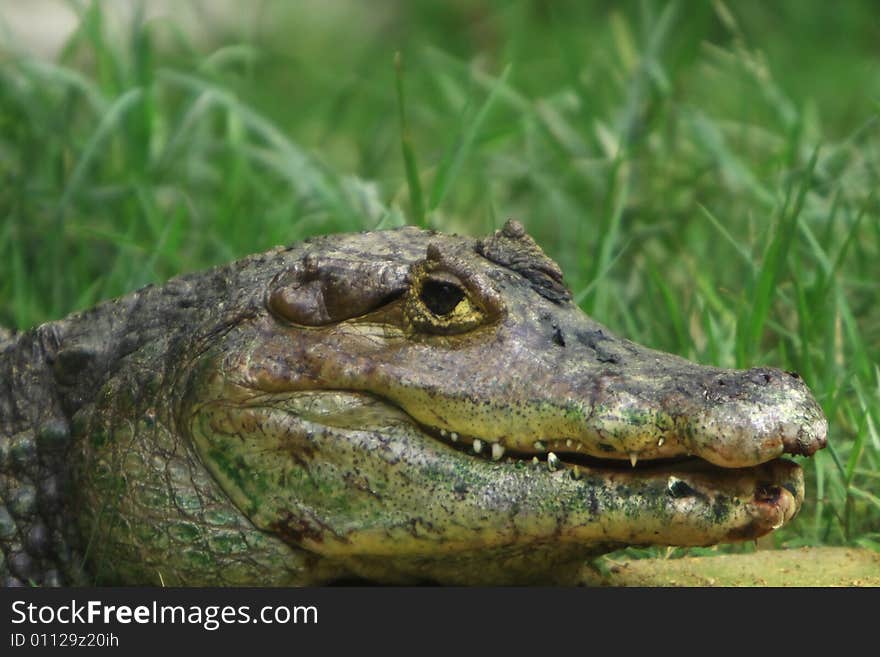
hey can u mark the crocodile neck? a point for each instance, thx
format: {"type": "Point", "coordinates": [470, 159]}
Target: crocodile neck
{"type": "Point", "coordinates": [47, 375]}
{"type": "Point", "coordinates": [38, 546]}
{"type": "Point", "coordinates": [58, 386]}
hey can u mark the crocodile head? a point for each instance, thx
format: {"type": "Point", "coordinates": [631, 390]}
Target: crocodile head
{"type": "Point", "coordinates": [410, 406]}
{"type": "Point", "coordinates": [402, 406]}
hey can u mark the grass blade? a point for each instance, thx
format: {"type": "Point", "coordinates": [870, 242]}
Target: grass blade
{"type": "Point", "coordinates": [449, 168]}
{"type": "Point", "coordinates": [406, 146]}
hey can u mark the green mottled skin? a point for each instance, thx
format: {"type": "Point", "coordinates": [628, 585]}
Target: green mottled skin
{"type": "Point", "coordinates": [338, 409]}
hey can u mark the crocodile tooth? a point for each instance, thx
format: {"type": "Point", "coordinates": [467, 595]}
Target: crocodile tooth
{"type": "Point", "coordinates": [660, 441]}
{"type": "Point", "coordinates": [478, 445]}
{"type": "Point", "coordinates": [453, 437]}
{"type": "Point", "coordinates": [497, 451]}
{"type": "Point", "coordinates": [535, 460]}
{"type": "Point", "coordinates": [576, 473]}
{"type": "Point", "coordinates": [633, 458]}
{"type": "Point", "coordinates": [552, 461]}
{"type": "Point", "coordinates": [568, 443]}
{"type": "Point", "coordinates": [539, 445]}
{"type": "Point", "coordinates": [443, 432]}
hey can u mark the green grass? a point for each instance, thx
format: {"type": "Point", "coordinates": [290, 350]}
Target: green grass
{"type": "Point", "coordinates": [705, 173]}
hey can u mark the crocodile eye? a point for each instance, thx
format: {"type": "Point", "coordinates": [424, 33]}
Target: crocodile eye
{"type": "Point", "coordinates": [446, 296]}
{"type": "Point", "coordinates": [439, 303]}
{"type": "Point", "coordinates": [441, 297]}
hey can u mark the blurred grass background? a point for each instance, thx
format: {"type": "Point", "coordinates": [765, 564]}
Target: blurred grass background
{"type": "Point", "coordinates": [705, 173]}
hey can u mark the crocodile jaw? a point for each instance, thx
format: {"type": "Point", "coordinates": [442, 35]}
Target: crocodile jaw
{"type": "Point", "coordinates": [348, 477]}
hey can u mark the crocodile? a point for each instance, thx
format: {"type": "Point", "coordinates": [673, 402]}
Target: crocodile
{"type": "Point", "coordinates": [398, 406]}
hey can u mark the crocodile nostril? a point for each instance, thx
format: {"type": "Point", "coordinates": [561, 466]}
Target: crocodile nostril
{"type": "Point", "coordinates": [759, 377]}
{"type": "Point", "coordinates": [794, 375]}
{"type": "Point", "coordinates": [558, 336]}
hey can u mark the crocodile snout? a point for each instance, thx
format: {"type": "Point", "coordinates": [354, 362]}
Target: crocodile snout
{"type": "Point", "coordinates": [751, 416]}
{"type": "Point", "coordinates": [654, 406]}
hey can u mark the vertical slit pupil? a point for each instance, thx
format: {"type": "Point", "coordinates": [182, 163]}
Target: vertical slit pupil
{"type": "Point", "coordinates": [441, 297]}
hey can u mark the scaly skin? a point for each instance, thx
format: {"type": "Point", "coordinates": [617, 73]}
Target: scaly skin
{"type": "Point", "coordinates": [401, 406]}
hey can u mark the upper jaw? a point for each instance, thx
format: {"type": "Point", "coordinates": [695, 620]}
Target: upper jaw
{"type": "Point", "coordinates": [731, 418]}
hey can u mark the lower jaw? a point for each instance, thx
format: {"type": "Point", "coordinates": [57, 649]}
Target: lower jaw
{"type": "Point", "coordinates": [635, 508]}
{"type": "Point", "coordinates": [557, 560]}
{"type": "Point", "coordinates": [767, 495]}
